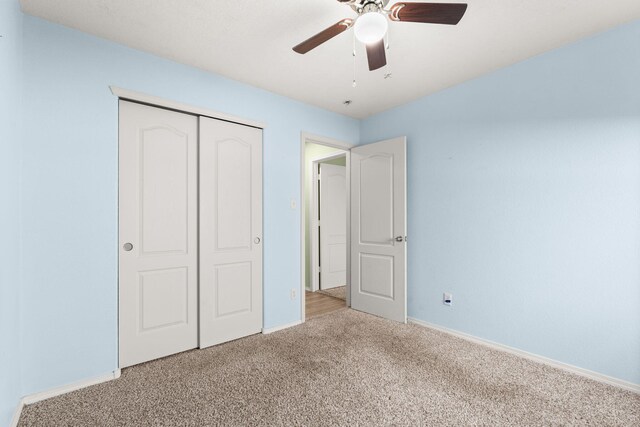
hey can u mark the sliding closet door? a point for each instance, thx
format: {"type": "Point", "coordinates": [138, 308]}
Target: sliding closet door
{"type": "Point", "coordinates": [157, 233]}
{"type": "Point", "coordinates": [230, 231]}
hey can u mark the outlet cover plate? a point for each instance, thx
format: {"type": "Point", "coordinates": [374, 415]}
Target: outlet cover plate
{"type": "Point", "coordinates": [447, 298]}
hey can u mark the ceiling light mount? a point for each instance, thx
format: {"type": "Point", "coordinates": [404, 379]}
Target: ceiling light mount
{"type": "Point", "coordinates": [359, 6]}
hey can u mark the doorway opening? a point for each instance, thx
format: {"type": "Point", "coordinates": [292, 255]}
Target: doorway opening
{"type": "Point", "coordinates": [325, 223]}
{"type": "Point", "coordinates": [376, 226]}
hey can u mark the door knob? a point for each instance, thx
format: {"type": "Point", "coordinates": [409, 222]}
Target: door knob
{"type": "Point", "coordinates": [256, 240]}
{"type": "Point", "coordinates": [127, 246]}
{"type": "Point", "coordinates": [399, 239]}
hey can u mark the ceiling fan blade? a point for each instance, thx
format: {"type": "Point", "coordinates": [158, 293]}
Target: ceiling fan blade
{"type": "Point", "coordinates": [323, 36]}
{"type": "Point", "coordinates": [376, 55]}
{"type": "Point", "coordinates": [429, 13]}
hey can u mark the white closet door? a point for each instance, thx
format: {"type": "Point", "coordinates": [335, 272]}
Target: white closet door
{"type": "Point", "coordinates": [333, 226]}
{"type": "Point", "coordinates": [157, 233]}
{"type": "Point", "coordinates": [378, 229]}
{"type": "Point", "coordinates": [230, 231]}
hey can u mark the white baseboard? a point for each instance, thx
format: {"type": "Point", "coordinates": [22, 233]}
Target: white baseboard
{"type": "Point", "coordinates": [279, 328]}
{"type": "Point", "coordinates": [536, 358]}
{"type": "Point", "coordinates": [37, 397]}
{"type": "Point", "coordinates": [16, 414]}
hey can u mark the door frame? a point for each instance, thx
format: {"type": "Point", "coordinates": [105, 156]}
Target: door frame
{"type": "Point", "coordinates": [329, 142]}
{"type": "Point", "coordinates": [315, 207]}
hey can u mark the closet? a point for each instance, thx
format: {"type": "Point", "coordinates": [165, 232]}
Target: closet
{"type": "Point", "coordinates": [190, 232]}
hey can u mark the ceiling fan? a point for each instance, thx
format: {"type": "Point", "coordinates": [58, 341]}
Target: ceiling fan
{"type": "Point", "coordinates": [370, 26]}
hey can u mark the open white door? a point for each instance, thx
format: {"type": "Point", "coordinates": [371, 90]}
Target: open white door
{"type": "Point", "coordinates": [230, 231]}
{"type": "Point", "coordinates": [333, 226]}
{"type": "Point", "coordinates": [378, 229]}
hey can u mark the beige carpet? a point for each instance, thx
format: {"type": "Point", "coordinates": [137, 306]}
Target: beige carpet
{"type": "Point", "coordinates": [345, 368]}
{"type": "Point", "coordinates": [340, 292]}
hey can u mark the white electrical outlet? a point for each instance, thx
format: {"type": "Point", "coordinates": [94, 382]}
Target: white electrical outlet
{"type": "Point", "coordinates": [293, 294]}
{"type": "Point", "coordinates": [447, 298]}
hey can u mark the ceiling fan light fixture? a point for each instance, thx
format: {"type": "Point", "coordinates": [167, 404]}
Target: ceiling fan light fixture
{"type": "Point", "coordinates": [371, 27]}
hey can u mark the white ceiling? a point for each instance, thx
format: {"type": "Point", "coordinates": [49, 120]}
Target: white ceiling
{"type": "Point", "coordinates": [251, 41]}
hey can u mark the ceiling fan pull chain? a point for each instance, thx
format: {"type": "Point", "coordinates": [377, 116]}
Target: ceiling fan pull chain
{"type": "Point", "coordinates": [354, 84]}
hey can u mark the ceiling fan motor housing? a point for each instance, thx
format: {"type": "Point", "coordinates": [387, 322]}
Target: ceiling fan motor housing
{"type": "Point", "coordinates": [364, 6]}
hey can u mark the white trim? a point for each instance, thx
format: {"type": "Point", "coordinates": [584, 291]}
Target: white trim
{"type": "Point", "coordinates": [37, 397]}
{"type": "Point", "coordinates": [304, 138]}
{"type": "Point", "coordinates": [322, 140]}
{"type": "Point", "coordinates": [332, 156]}
{"type": "Point", "coordinates": [534, 357]}
{"type": "Point", "coordinates": [47, 394]}
{"type": "Point", "coordinates": [281, 327]}
{"type": "Point", "coordinates": [313, 232]}
{"type": "Point", "coordinates": [348, 284]}
{"type": "Point", "coordinates": [16, 415]}
{"type": "Point", "coordinates": [173, 105]}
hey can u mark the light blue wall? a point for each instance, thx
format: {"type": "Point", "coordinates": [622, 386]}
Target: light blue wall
{"type": "Point", "coordinates": [70, 186]}
{"type": "Point", "coordinates": [524, 202]}
{"type": "Point", "coordinates": [546, 262]}
{"type": "Point", "coordinates": [10, 115]}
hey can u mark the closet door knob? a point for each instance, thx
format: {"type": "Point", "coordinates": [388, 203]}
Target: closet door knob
{"type": "Point", "coordinates": [127, 246]}
{"type": "Point", "coordinates": [256, 240]}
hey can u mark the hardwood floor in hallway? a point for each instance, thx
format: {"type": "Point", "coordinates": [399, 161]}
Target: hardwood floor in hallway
{"type": "Point", "coordinates": [317, 304]}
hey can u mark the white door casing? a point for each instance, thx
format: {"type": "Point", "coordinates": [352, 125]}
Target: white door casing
{"type": "Point", "coordinates": [378, 229]}
{"type": "Point", "coordinates": [157, 233]}
{"type": "Point", "coordinates": [230, 231]}
{"type": "Point", "coordinates": [333, 226]}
